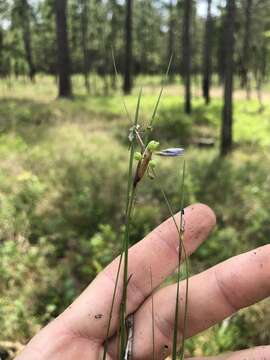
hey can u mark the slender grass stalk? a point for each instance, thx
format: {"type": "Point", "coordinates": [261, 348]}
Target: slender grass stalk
{"type": "Point", "coordinates": [181, 235]}
{"type": "Point", "coordinates": [117, 77]}
{"type": "Point", "coordinates": [181, 250]}
{"type": "Point", "coordinates": [111, 309]}
{"type": "Point", "coordinates": [123, 334]}
{"type": "Point", "coordinates": [130, 197]}
{"type": "Point", "coordinates": [160, 94]}
{"type": "Point", "coordinates": [153, 314]}
{"type": "Point", "coordinates": [182, 351]}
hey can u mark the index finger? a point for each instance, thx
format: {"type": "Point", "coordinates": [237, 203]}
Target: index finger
{"type": "Point", "coordinates": [158, 251]}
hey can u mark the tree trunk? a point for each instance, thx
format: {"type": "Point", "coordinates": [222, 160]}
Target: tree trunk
{"type": "Point", "coordinates": [128, 48]}
{"type": "Point", "coordinates": [227, 115]}
{"type": "Point", "coordinates": [2, 72]}
{"type": "Point", "coordinates": [25, 17]}
{"type": "Point", "coordinates": [246, 45]}
{"type": "Point", "coordinates": [221, 54]}
{"type": "Point", "coordinates": [63, 49]}
{"type": "Point", "coordinates": [113, 34]}
{"type": "Point", "coordinates": [258, 79]}
{"type": "Point", "coordinates": [187, 53]}
{"type": "Point", "coordinates": [84, 32]}
{"type": "Point", "coordinates": [261, 72]}
{"type": "Point", "coordinates": [171, 38]}
{"type": "Point", "coordinates": [207, 54]}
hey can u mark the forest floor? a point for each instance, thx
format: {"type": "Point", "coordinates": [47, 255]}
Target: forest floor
{"type": "Point", "coordinates": [36, 103]}
{"type": "Point", "coordinates": [57, 183]}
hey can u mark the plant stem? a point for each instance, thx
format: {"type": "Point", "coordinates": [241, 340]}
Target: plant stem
{"type": "Point", "coordinates": [160, 93]}
{"type": "Point", "coordinates": [123, 335]}
{"type": "Point", "coordinates": [153, 315]}
{"type": "Point", "coordinates": [130, 197]}
{"type": "Point", "coordinates": [181, 246]}
{"type": "Point", "coordinates": [111, 309]}
{"type": "Point", "coordinates": [180, 231]}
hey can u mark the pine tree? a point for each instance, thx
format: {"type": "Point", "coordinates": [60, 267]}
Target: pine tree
{"type": "Point", "coordinates": [187, 17]}
{"type": "Point", "coordinates": [63, 49]}
{"type": "Point", "coordinates": [227, 114]}
{"type": "Point", "coordinates": [207, 63]}
{"type": "Point", "coordinates": [128, 48]}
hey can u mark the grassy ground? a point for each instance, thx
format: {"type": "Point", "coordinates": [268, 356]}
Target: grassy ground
{"type": "Point", "coordinates": [63, 165]}
{"type": "Point", "coordinates": [22, 101]}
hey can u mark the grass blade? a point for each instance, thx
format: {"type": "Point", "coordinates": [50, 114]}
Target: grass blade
{"type": "Point", "coordinates": [130, 197]}
{"type": "Point", "coordinates": [111, 309]}
{"type": "Point", "coordinates": [160, 94]}
{"type": "Point", "coordinates": [117, 77]}
{"type": "Point", "coordinates": [181, 235]}
{"type": "Point", "coordinates": [182, 249]}
{"type": "Point", "coordinates": [153, 315]}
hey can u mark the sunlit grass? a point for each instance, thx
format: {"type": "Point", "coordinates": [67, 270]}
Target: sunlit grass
{"type": "Point", "coordinates": [23, 103]}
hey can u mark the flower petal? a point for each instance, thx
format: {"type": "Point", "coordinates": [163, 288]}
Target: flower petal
{"type": "Point", "coordinates": [171, 152]}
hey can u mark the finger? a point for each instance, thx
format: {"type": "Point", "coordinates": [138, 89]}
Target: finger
{"type": "Point", "coordinates": [257, 353]}
{"type": "Point", "coordinates": [213, 295]}
{"type": "Point", "coordinates": [89, 314]}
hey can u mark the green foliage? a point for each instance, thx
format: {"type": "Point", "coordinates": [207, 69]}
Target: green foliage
{"type": "Point", "coordinates": [20, 299]}
{"type": "Point", "coordinates": [47, 199]}
{"type": "Point", "coordinates": [173, 121]}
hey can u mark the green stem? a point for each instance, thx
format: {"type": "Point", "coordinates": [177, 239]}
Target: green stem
{"type": "Point", "coordinates": [160, 93]}
{"type": "Point", "coordinates": [131, 191]}
{"type": "Point", "coordinates": [123, 335]}
{"type": "Point", "coordinates": [130, 197]}
{"type": "Point", "coordinates": [111, 309]}
{"type": "Point", "coordinates": [181, 249]}
{"type": "Point", "coordinates": [117, 76]}
{"type": "Point", "coordinates": [182, 352]}
{"type": "Point", "coordinates": [153, 315]}
{"type": "Point", "coordinates": [181, 238]}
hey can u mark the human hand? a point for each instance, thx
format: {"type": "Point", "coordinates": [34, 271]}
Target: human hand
{"type": "Point", "coordinates": [80, 331]}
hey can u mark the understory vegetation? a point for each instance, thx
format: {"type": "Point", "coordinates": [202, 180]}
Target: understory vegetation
{"type": "Point", "coordinates": [63, 165]}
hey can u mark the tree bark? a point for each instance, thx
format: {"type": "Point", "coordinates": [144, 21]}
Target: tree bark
{"type": "Point", "coordinates": [84, 32]}
{"type": "Point", "coordinates": [221, 54]}
{"type": "Point", "coordinates": [25, 18]}
{"type": "Point", "coordinates": [207, 63]}
{"type": "Point", "coordinates": [246, 45]}
{"type": "Point", "coordinates": [63, 49]}
{"type": "Point", "coordinates": [187, 54]}
{"type": "Point", "coordinates": [113, 34]}
{"type": "Point", "coordinates": [128, 48]}
{"type": "Point", "coordinates": [227, 114]}
{"type": "Point", "coordinates": [2, 71]}
{"type": "Point", "coordinates": [171, 38]}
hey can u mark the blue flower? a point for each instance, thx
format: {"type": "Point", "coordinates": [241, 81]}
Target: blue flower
{"type": "Point", "coordinates": [171, 152]}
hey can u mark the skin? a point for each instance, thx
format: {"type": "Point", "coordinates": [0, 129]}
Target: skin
{"type": "Point", "coordinates": [79, 332]}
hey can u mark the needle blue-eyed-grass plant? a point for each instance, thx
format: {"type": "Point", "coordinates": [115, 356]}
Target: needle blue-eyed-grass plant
{"type": "Point", "coordinates": [145, 165]}
{"type": "Point", "coordinates": [172, 152]}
